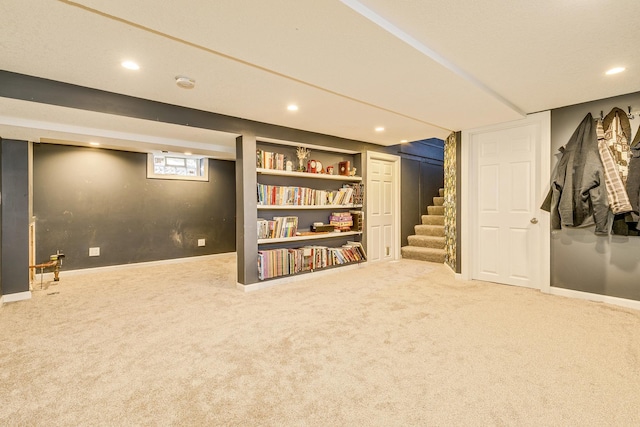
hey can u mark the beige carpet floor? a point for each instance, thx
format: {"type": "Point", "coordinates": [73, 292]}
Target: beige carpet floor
{"type": "Point", "coordinates": [392, 344]}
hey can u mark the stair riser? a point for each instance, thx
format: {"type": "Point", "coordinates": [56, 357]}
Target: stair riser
{"type": "Point", "coordinates": [429, 257]}
{"type": "Point", "coordinates": [429, 230]}
{"type": "Point", "coordinates": [435, 210]}
{"type": "Point", "coordinates": [438, 201]}
{"type": "Point", "coordinates": [441, 192]}
{"type": "Point", "coordinates": [432, 220]}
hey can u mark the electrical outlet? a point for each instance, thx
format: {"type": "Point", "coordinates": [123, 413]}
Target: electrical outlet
{"type": "Point", "coordinates": [201, 242]}
{"type": "Point", "coordinates": [94, 251]}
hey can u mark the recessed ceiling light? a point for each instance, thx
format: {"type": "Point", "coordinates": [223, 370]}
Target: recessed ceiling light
{"type": "Point", "coordinates": [379, 129]}
{"type": "Point", "coordinates": [185, 82]}
{"type": "Point", "coordinates": [94, 143]}
{"type": "Point", "coordinates": [187, 153]}
{"type": "Point", "coordinates": [615, 70]}
{"type": "Point", "coordinates": [292, 107]}
{"type": "Point", "coordinates": [130, 65]}
{"type": "Point", "coordinates": [404, 141]}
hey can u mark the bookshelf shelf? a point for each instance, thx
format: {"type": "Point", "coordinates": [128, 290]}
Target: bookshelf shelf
{"type": "Point", "coordinates": [307, 207]}
{"type": "Point", "coordinates": [276, 172]}
{"type": "Point", "coordinates": [314, 236]}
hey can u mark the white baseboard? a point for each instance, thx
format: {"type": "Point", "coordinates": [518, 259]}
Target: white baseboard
{"type": "Point", "coordinates": [18, 296]}
{"type": "Point", "coordinates": [457, 276]}
{"type": "Point", "coordinates": [570, 293]}
{"type": "Point", "coordinates": [296, 278]}
{"type": "Point", "coordinates": [49, 275]}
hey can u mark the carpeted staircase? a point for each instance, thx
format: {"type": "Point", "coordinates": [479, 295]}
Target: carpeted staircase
{"type": "Point", "coordinates": [428, 242]}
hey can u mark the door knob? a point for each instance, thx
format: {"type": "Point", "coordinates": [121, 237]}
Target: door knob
{"type": "Point", "coordinates": [534, 220]}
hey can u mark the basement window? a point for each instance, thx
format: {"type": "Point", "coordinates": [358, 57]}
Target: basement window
{"type": "Point", "coordinates": [175, 166]}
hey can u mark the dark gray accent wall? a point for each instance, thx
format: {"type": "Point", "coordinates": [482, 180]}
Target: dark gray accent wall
{"type": "Point", "coordinates": [422, 175]}
{"type": "Point", "coordinates": [580, 260]}
{"type": "Point", "coordinates": [14, 216]}
{"type": "Point", "coordinates": [84, 197]}
{"type": "Point", "coordinates": [246, 204]}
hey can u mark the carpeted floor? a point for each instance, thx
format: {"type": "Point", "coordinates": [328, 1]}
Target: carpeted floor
{"type": "Point", "coordinates": [390, 344]}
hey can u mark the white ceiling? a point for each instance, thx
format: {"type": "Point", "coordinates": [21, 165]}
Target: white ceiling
{"type": "Point", "coordinates": [419, 68]}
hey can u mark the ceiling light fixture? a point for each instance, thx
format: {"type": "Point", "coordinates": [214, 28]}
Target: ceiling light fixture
{"type": "Point", "coordinates": [185, 82]}
{"type": "Point", "coordinates": [615, 70]}
{"type": "Point", "coordinates": [187, 153]}
{"type": "Point", "coordinates": [404, 141]}
{"type": "Point", "coordinates": [292, 107]}
{"type": "Point", "coordinates": [379, 129]}
{"type": "Point", "coordinates": [130, 65]}
{"type": "Point", "coordinates": [94, 143]}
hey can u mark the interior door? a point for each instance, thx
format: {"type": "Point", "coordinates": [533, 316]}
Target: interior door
{"type": "Point", "coordinates": [382, 209]}
{"type": "Point", "coordinates": [506, 232]}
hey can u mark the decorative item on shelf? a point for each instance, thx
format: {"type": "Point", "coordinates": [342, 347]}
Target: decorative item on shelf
{"type": "Point", "coordinates": [302, 153]}
{"type": "Point", "coordinates": [344, 168]}
{"type": "Point", "coordinates": [289, 166]}
{"type": "Point", "coordinates": [314, 166]}
{"type": "Point", "coordinates": [329, 170]}
{"type": "Point", "coordinates": [322, 228]}
{"type": "Point", "coordinates": [352, 172]}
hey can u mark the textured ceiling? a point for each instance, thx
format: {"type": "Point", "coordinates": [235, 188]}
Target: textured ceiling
{"type": "Point", "coordinates": [467, 64]}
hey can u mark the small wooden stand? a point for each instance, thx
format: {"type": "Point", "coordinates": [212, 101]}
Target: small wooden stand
{"type": "Point", "coordinates": [55, 261]}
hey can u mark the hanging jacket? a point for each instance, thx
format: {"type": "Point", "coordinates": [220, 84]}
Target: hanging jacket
{"type": "Point", "coordinates": [616, 193]}
{"type": "Point", "coordinates": [633, 181]}
{"type": "Point", "coordinates": [577, 193]}
{"type": "Point", "coordinates": [617, 136]}
{"type": "Point", "coordinates": [617, 133]}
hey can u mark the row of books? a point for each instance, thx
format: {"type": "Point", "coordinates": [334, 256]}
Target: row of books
{"type": "Point", "coordinates": [303, 196]}
{"type": "Point", "coordinates": [269, 160]}
{"type": "Point", "coordinates": [278, 227]}
{"type": "Point", "coordinates": [284, 262]}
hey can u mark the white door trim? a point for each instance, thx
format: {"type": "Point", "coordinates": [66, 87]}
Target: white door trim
{"type": "Point", "coordinates": [373, 155]}
{"type": "Point", "coordinates": [469, 175]}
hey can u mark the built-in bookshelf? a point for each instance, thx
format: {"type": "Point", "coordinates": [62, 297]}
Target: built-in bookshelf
{"type": "Point", "coordinates": [309, 211]}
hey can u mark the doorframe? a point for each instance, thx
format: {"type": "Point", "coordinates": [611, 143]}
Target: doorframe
{"type": "Point", "coordinates": [469, 176]}
{"type": "Point", "coordinates": [396, 165]}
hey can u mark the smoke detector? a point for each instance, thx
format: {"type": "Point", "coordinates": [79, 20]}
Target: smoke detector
{"type": "Point", "coordinates": [185, 82]}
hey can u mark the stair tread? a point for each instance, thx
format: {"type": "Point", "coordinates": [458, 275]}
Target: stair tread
{"type": "Point", "coordinates": [432, 220]}
{"type": "Point", "coordinates": [425, 237]}
{"type": "Point", "coordinates": [423, 249]}
{"type": "Point", "coordinates": [429, 230]}
{"type": "Point", "coordinates": [424, 241]}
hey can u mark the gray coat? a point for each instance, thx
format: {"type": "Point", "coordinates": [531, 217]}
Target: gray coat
{"type": "Point", "coordinates": [577, 191]}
